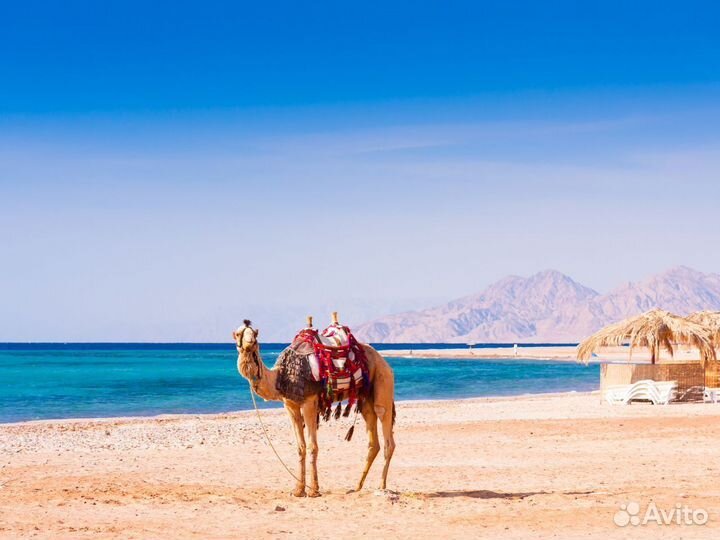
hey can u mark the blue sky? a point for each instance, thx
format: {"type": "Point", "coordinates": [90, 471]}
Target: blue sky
{"type": "Point", "coordinates": [167, 169]}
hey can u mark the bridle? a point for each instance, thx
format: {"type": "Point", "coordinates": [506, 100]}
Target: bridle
{"type": "Point", "coordinates": [254, 352]}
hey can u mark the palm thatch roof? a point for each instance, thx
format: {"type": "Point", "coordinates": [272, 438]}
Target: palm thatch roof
{"type": "Point", "coordinates": [711, 321]}
{"type": "Point", "coordinates": [655, 329]}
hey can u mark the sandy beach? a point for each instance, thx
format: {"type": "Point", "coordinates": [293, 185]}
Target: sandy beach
{"type": "Point", "coordinates": [555, 352]}
{"type": "Point", "coordinates": [565, 353]}
{"type": "Point", "coordinates": [545, 466]}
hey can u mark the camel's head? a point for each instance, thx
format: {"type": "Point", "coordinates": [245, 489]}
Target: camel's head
{"type": "Point", "coordinates": [248, 351]}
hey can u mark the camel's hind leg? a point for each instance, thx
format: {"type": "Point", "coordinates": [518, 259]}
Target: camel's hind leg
{"type": "Point", "coordinates": [370, 418]}
{"type": "Point", "coordinates": [384, 407]}
{"type": "Point", "coordinates": [387, 419]}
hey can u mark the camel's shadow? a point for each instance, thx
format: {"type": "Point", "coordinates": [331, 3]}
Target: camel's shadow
{"type": "Point", "coordinates": [487, 494]}
{"type": "Point", "coordinates": [481, 494]}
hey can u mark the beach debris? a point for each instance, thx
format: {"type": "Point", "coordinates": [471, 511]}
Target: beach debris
{"type": "Point", "coordinates": [279, 508]}
{"type": "Point", "coordinates": [4, 483]}
{"type": "Point", "coordinates": [390, 495]}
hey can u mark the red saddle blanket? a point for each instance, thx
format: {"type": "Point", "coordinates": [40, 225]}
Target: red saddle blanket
{"type": "Point", "coordinates": [337, 362]}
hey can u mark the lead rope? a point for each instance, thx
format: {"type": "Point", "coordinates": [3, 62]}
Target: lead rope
{"type": "Point", "coordinates": [252, 395]}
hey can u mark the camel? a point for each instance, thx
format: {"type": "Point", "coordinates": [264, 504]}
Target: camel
{"type": "Point", "coordinates": [378, 405]}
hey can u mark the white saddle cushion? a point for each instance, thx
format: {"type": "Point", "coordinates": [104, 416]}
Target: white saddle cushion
{"type": "Point", "coordinates": [334, 336]}
{"type": "Point", "coordinates": [314, 366]}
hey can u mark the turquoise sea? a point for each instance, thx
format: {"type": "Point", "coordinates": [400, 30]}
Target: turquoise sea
{"type": "Point", "coordinates": [45, 381]}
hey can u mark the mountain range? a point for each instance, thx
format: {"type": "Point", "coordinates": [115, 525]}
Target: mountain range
{"type": "Point", "coordinates": [548, 307]}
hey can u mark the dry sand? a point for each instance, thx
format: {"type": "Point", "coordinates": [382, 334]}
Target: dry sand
{"type": "Point", "coordinates": [532, 467]}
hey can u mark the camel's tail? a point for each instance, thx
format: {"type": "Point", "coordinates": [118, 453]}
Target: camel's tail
{"type": "Point", "coordinates": [350, 432]}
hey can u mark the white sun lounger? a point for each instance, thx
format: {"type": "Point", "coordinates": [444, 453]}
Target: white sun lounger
{"type": "Point", "coordinates": [711, 395]}
{"type": "Point", "coordinates": [658, 392]}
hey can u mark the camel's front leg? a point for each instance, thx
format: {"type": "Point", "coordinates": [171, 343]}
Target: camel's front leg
{"type": "Point", "coordinates": [297, 422]}
{"type": "Point", "coordinates": [310, 413]}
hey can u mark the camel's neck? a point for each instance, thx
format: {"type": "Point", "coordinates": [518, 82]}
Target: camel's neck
{"type": "Point", "coordinates": [264, 385]}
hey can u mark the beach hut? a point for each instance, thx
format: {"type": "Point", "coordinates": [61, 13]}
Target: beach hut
{"type": "Point", "coordinates": [711, 321]}
{"type": "Point", "coordinates": [656, 330]}
{"type": "Point", "coordinates": [659, 332]}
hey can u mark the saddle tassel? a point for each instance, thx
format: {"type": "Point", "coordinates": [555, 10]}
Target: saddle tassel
{"type": "Point", "coordinates": [338, 411]}
{"type": "Point", "coordinates": [350, 432]}
{"type": "Point", "coordinates": [346, 413]}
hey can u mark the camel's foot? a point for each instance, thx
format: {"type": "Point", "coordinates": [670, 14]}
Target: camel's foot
{"type": "Point", "coordinates": [359, 486]}
{"type": "Point", "coordinates": [298, 492]}
{"type": "Point", "coordinates": [314, 492]}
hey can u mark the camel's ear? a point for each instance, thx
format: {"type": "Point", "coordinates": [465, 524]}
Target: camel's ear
{"type": "Point", "coordinates": [257, 331]}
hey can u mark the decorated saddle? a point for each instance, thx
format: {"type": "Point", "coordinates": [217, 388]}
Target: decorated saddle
{"type": "Point", "coordinates": [331, 364]}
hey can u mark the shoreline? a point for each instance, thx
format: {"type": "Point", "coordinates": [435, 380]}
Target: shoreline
{"type": "Point", "coordinates": [239, 413]}
{"type": "Point", "coordinates": [554, 353]}
{"type": "Point", "coordinates": [540, 352]}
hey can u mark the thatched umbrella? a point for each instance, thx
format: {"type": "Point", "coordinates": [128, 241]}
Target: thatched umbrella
{"type": "Point", "coordinates": [710, 320]}
{"type": "Point", "coordinates": [655, 329]}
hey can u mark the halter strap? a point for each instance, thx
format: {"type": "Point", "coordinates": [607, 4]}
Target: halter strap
{"type": "Point", "coordinates": [255, 355]}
